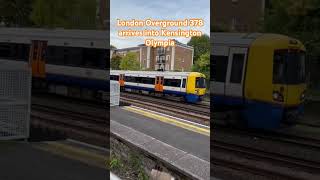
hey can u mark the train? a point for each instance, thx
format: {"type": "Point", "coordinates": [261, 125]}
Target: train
{"type": "Point", "coordinates": [260, 78]}
{"type": "Point", "coordinates": [66, 62]}
{"type": "Point", "coordinates": [191, 86]}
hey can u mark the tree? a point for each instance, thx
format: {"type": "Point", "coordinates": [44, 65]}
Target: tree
{"type": "Point", "coordinates": [76, 14]}
{"type": "Point", "coordinates": [295, 18]}
{"type": "Point", "coordinates": [203, 65]}
{"type": "Point", "coordinates": [299, 19]}
{"type": "Point", "coordinates": [15, 12]}
{"type": "Point", "coordinates": [130, 62]}
{"type": "Point", "coordinates": [115, 62]}
{"type": "Point", "coordinates": [200, 44]}
{"type": "Point", "coordinates": [112, 47]}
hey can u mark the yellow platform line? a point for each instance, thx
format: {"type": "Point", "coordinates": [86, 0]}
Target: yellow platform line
{"type": "Point", "coordinates": [171, 121]}
{"type": "Point", "coordinates": [75, 153]}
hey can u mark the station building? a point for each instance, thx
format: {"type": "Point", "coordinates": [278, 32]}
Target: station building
{"type": "Point", "coordinates": [171, 58]}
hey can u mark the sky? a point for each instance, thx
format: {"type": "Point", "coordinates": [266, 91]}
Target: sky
{"type": "Point", "coordinates": [155, 9]}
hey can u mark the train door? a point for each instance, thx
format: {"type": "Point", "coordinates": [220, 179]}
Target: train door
{"type": "Point", "coordinates": [121, 79]}
{"type": "Point", "coordinates": [183, 84]}
{"type": "Point", "coordinates": [37, 58]}
{"type": "Point", "coordinates": [235, 72]}
{"type": "Point", "coordinates": [159, 83]}
{"type": "Point", "coordinates": [218, 71]}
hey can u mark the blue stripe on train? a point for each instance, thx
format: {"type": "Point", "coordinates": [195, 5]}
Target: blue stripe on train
{"type": "Point", "coordinates": [192, 98]}
{"type": "Point", "coordinates": [94, 84]}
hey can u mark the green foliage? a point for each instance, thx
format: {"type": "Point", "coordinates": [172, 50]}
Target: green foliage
{"type": "Point", "coordinates": [115, 163]}
{"type": "Point", "coordinates": [295, 18]}
{"type": "Point", "coordinates": [130, 62]}
{"type": "Point", "coordinates": [113, 47]}
{"type": "Point", "coordinates": [203, 65]}
{"type": "Point", "coordinates": [15, 12]}
{"type": "Point", "coordinates": [115, 62]}
{"type": "Point", "coordinates": [201, 47]}
{"type": "Point", "coordinates": [200, 44]}
{"type": "Point", "coordinates": [137, 165]}
{"type": "Point", "coordinates": [79, 14]}
{"type": "Point", "coordinates": [128, 166]}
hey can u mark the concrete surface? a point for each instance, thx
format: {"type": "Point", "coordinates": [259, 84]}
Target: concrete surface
{"type": "Point", "coordinates": [23, 160]}
{"type": "Point", "coordinates": [183, 139]}
{"type": "Point", "coordinates": [178, 159]}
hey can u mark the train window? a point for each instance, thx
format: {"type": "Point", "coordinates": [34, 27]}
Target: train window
{"type": "Point", "coordinates": [96, 58]}
{"type": "Point", "coordinates": [184, 83]}
{"type": "Point", "coordinates": [295, 67]}
{"type": "Point", "coordinates": [237, 68]}
{"type": "Point", "coordinates": [218, 68]}
{"type": "Point", "coordinates": [14, 51]}
{"type": "Point", "coordinates": [146, 80]}
{"type": "Point", "coordinates": [279, 60]}
{"type": "Point", "coordinates": [132, 79]}
{"type": "Point", "coordinates": [289, 67]}
{"type": "Point", "coordinates": [75, 56]}
{"type": "Point", "coordinates": [114, 77]}
{"type": "Point", "coordinates": [55, 55]}
{"type": "Point", "coordinates": [200, 82]}
{"type": "Point", "coordinates": [172, 82]}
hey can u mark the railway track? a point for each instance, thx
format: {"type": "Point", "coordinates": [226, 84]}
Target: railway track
{"type": "Point", "coordinates": [263, 163]}
{"type": "Point", "coordinates": [263, 160]}
{"type": "Point", "coordinates": [89, 128]}
{"type": "Point", "coordinates": [176, 109]}
{"type": "Point", "coordinates": [203, 107]}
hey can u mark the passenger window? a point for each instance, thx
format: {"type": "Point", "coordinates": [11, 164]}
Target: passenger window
{"type": "Point", "coordinates": [218, 68]}
{"type": "Point", "coordinates": [237, 68]}
{"type": "Point", "coordinates": [172, 82]}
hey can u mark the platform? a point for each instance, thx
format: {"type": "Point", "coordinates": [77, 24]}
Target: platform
{"type": "Point", "coordinates": [51, 161]}
{"type": "Point", "coordinates": [189, 137]}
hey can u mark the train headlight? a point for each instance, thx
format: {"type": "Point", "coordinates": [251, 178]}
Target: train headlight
{"type": "Point", "coordinates": [277, 96]}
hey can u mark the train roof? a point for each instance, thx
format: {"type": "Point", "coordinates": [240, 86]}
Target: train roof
{"type": "Point", "coordinates": [155, 73]}
{"type": "Point", "coordinates": [58, 37]}
{"type": "Point", "coordinates": [246, 39]}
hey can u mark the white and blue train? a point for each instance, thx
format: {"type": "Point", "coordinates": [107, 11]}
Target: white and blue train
{"type": "Point", "coordinates": [190, 86]}
{"type": "Point", "coordinates": [66, 62]}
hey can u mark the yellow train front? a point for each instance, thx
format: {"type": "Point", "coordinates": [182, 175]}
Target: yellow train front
{"type": "Point", "coordinates": [189, 85]}
{"type": "Point", "coordinates": [262, 76]}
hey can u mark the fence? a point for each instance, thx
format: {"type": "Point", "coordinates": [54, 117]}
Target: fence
{"type": "Point", "coordinates": [15, 92]}
{"type": "Point", "coordinates": [114, 93]}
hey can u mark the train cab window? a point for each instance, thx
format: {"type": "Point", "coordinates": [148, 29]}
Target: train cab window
{"type": "Point", "coordinates": [218, 68]}
{"type": "Point", "coordinates": [289, 67]}
{"type": "Point", "coordinates": [279, 60]}
{"type": "Point", "coordinates": [237, 68]}
{"type": "Point", "coordinates": [200, 82]}
{"type": "Point", "coordinates": [172, 82]}
{"type": "Point", "coordinates": [184, 83]}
